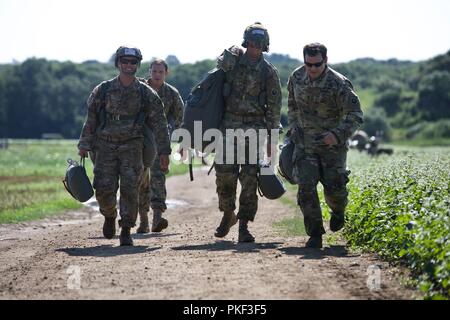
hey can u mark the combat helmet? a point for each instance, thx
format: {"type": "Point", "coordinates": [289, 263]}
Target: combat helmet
{"type": "Point", "coordinates": [127, 52]}
{"type": "Point", "coordinates": [257, 33]}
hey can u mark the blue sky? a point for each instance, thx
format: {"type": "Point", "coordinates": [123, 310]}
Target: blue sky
{"type": "Point", "coordinates": [200, 29]}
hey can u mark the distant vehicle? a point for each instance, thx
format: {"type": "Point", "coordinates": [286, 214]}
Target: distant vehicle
{"type": "Point", "coordinates": [361, 141]}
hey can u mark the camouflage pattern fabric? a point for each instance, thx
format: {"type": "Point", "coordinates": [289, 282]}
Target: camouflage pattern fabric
{"type": "Point", "coordinates": [126, 102]}
{"type": "Point", "coordinates": [314, 108]}
{"type": "Point", "coordinates": [243, 111]}
{"type": "Point", "coordinates": [116, 161]}
{"type": "Point", "coordinates": [244, 99]}
{"type": "Point", "coordinates": [153, 191]}
{"type": "Point", "coordinates": [118, 145]}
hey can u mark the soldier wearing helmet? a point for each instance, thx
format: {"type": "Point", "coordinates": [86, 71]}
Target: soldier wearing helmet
{"type": "Point", "coordinates": [257, 34]}
{"type": "Point", "coordinates": [252, 101]}
{"type": "Point", "coordinates": [323, 112]}
{"type": "Point", "coordinates": [117, 111]}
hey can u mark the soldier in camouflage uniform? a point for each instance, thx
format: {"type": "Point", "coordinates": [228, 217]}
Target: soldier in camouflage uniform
{"type": "Point", "coordinates": [153, 191]}
{"type": "Point", "coordinates": [253, 102]}
{"type": "Point", "coordinates": [324, 111]}
{"type": "Point", "coordinates": [113, 130]}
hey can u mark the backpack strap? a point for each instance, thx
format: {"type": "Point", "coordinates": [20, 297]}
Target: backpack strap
{"type": "Point", "coordinates": [140, 118]}
{"type": "Point", "coordinates": [101, 112]}
{"type": "Point", "coordinates": [263, 92]}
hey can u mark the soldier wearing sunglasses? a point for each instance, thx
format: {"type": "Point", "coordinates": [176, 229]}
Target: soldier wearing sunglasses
{"type": "Point", "coordinates": [323, 112]}
{"type": "Point", "coordinates": [117, 111]}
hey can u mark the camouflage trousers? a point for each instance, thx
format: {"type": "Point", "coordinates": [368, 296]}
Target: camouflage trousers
{"type": "Point", "coordinates": [244, 170]}
{"type": "Point", "coordinates": [329, 168]}
{"type": "Point", "coordinates": [152, 191]}
{"type": "Point", "coordinates": [116, 162]}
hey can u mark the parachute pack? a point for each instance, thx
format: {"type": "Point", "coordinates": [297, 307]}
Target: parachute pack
{"type": "Point", "coordinates": [77, 182]}
{"type": "Point", "coordinates": [269, 184]}
{"type": "Point", "coordinates": [205, 104]}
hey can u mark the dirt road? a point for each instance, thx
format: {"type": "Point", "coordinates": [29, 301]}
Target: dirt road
{"type": "Point", "coordinates": [67, 258]}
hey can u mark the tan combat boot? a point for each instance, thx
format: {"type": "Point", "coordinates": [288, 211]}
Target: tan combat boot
{"type": "Point", "coordinates": [244, 234]}
{"type": "Point", "coordinates": [125, 237]}
{"type": "Point", "coordinates": [143, 225]}
{"type": "Point", "coordinates": [109, 228]}
{"type": "Point", "coordinates": [228, 220]}
{"type": "Point", "coordinates": [158, 223]}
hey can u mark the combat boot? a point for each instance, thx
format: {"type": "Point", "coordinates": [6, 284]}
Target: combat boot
{"type": "Point", "coordinates": [125, 237]}
{"type": "Point", "coordinates": [337, 222]}
{"type": "Point", "coordinates": [314, 242]}
{"type": "Point", "coordinates": [244, 234]}
{"type": "Point", "coordinates": [228, 220]}
{"type": "Point", "coordinates": [158, 223]}
{"type": "Point", "coordinates": [109, 228]}
{"type": "Point", "coordinates": [143, 225]}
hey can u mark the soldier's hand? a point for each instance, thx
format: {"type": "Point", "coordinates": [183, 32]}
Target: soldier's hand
{"type": "Point", "coordinates": [330, 139]}
{"type": "Point", "coordinates": [183, 152]}
{"type": "Point", "coordinates": [164, 162]}
{"type": "Point", "coordinates": [83, 153]}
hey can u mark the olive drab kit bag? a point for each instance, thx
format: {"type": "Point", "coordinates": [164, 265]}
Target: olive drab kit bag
{"type": "Point", "coordinates": [269, 184]}
{"type": "Point", "coordinates": [285, 161]}
{"type": "Point", "coordinates": [205, 103]}
{"type": "Point", "coordinates": [77, 182]}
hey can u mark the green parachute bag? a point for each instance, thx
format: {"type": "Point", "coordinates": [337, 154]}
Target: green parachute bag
{"type": "Point", "coordinates": [285, 162]}
{"type": "Point", "coordinates": [77, 182]}
{"type": "Point", "coordinates": [269, 184]}
{"type": "Point", "coordinates": [150, 149]}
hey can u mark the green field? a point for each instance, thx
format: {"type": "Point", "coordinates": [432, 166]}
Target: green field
{"type": "Point", "coordinates": [31, 173]}
{"type": "Point", "coordinates": [399, 207]}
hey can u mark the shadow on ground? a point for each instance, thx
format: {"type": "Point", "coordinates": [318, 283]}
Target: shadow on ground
{"type": "Point", "coordinates": [141, 236]}
{"type": "Point", "coordinates": [311, 253]}
{"type": "Point", "coordinates": [230, 245]}
{"type": "Point", "coordinates": [106, 251]}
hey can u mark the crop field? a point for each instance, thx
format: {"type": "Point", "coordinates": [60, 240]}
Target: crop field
{"type": "Point", "coordinates": [399, 207]}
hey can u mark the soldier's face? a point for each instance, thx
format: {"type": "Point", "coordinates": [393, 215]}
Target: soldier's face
{"type": "Point", "coordinates": [158, 73]}
{"type": "Point", "coordinates": [254, 50]}
{"type": "Point", "coordinates": [128, 65]}
{"type": "Point", "coordinates": [315, 65]}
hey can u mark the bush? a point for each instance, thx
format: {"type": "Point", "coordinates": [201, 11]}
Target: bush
{"type": "Point", "coordinates": [430, 130]}
{"type": "Point", "coordinates": [399, 208]}
{"type": "Point", "coordinates": [375, 121]}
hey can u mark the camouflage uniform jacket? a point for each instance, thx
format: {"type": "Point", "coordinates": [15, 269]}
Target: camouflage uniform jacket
{"type": "Point", "coordinates": [246, 80]}
{"type": "Point", "coordinates": [325, 104]}
{"type": "Point", "coordinates": [173, 104]}
{"type": "Point", "coordinates": [124, 102]}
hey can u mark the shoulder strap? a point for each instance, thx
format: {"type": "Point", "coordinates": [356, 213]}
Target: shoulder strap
{"type": "Point", "coordinates": [101, 112]}
{"type": "Point", "coordinates": [263, 92]}
{"type": "Point", "coordinates": [140, 118]}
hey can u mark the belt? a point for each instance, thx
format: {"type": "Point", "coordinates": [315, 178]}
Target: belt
{"type": "Point", "coordinates": [243, 119]}
{"type": "Point", "coordinates": [109, 138]}
{"type": "Point", "coordinates": [120, 117]}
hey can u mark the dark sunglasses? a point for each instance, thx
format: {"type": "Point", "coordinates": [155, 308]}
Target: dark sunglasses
{"type": "Point", "coordinates": [129, 61]}
{"type": "Point", "coordinates": [317, 65]}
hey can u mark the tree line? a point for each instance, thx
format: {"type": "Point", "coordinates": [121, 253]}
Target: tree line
{"type": "Point", "coordinates": [403, 99]}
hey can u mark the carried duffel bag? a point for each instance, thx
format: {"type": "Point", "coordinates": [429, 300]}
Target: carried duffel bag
{"type": "Point", "coordinates": [77, 182]}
